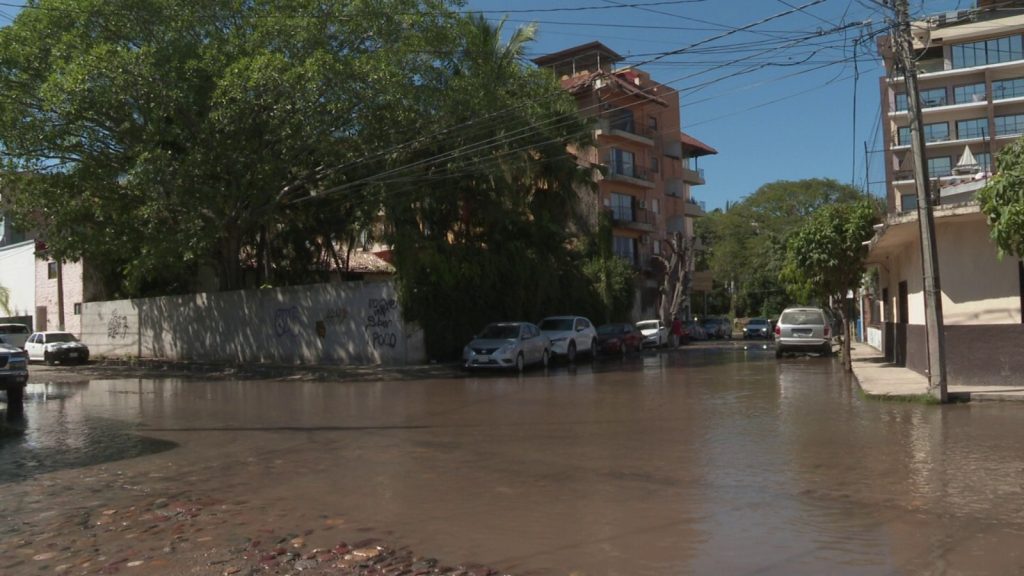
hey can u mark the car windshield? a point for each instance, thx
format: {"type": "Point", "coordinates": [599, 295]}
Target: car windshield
{"type": "Point", "coordinates": [757, 322]}
{"type": "Point", "coordinates": [500, 331]}
{"type": "Point", "coordinates": [608, 329]}
{"type": "Point", "coordinates": [13, 329]}
{"type": "Point", "coordinates": [648, 325]}
{"type": "Point", "coordinates": [556, 324]}
{"type": "Point", "coordinates": [802, 318]}
{"type": "Point", "coordinates": [60, 337]}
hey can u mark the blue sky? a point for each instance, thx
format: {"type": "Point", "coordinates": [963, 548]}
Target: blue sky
{"type": "Point", "coordinates": [788, 120]}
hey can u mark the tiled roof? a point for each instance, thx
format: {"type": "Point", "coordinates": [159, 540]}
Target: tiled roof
{"type": "Point", "coordinates": [694, 144]}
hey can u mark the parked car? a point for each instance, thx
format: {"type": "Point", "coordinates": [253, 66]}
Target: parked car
{"type": "Point", "coordinates": [15, 334]}
{"type": "Point", "coordinates": [53, 347]}
{"type": "Point", "coordinates": [695, 331]}
{"type": "Point", "coordinates": [758, 328]}
{"type": "Point", "coordinates": [13, 372]}
{"type": "Point", "coordinates": [511, 345]}
{"type": "Point", "coordinates": [655, 332]}
{"type": "Point", "coordinates": [570, 336]}
{"type": "Point", "coordinates": [718, 328]}
{"type": "Point", "coordinates": [803, 330]}
{"type": "Point", "coordinates": [619, 338]}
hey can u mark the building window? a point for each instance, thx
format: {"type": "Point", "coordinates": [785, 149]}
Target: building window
{"type": "Point", "coordinates": [622, 207]}
{"type": "Point", "coordinates": [656, 206]}
{"type": "Point", "coordinates": [901, 102]}
{"type": "Point", "coordinates": [51, 270]}
{"type": "Point", "coordinates": [929, 99]}
{"type": "Point", "coordinates": [624, 248]}
{"type": "Point", "coordinates": [969, 93]}
{"type": "Point", "coordinates": [936, 132]}
{"type": "Point", "coordinates": [973, 128]}
{"type": "Point", "coordinates": [1013, 88]}
{"type": "Point", "coordinates": [938, 167]}
{"type": "Point", "coordinates": [1011, 124]}
{"type": "Point", "coordinates": [984, 159]}
{"type": "Point", "coordinates": [622, 162]}
{"type": "Point", "coordinates": [656, 247]}
{"type": "Point", "coordinates": [78, 308]}
{"type": "Point", "coordinates": [622, 120]}
{"type": "Point", "coordinates": [654, 164]}
{"type": "Point", "coordinates": [652, 124]}
{"type": "Point", "coordinates": [934, 97]}
{"type": "Point", "coordinates": [987, 52]}
{"type": "Point", "coordinates": [908, 202]}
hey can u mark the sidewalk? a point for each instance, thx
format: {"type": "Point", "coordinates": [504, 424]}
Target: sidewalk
{"type": "Point", "coordinates": [884, 380]}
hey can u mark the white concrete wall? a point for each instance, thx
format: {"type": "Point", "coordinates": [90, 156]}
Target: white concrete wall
{"type": "Point", "coordinates": [977, 287]}
{"type": "Point", "coordinates": [349, 323]}
{"type": "Point", "coordinates": [17, 274]}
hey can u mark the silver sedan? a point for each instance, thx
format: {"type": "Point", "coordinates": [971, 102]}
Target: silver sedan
{"type": "Point", "coordinates": [511, 345]}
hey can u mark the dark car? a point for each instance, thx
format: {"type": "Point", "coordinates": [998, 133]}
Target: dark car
{"type": "Point", "coordinates": [758, 328]}
{"type": "Point", "coordinates": [13, 372]}
{"type": "Point", "coordinates": [718, 328]}
{"type": "Point", "coordinates": [619, 338]}
{"type": "Point", "coordinates": [695, 331]}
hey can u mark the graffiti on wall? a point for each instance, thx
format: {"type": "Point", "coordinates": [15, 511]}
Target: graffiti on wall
{"type": "Point", "coordinates": [286, 322]}
{"type": "Point", "coordinates": [381, 323]}
{"type": "Point", "coordinates": [117, 326]}
{"type": "Point", "coordinates": [335, 315]}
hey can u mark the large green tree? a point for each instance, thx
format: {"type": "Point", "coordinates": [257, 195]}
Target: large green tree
{"type": "Point", "coordinates": [167, 137]}
{"type": "Point", "coordinates": [745, 246]}
{"type": "Point", "coordinates": [483, 231]}
{"type": "Point", "coordinates": [1002, 200]}
{"type": "Point", "coordinates": [825, 257]}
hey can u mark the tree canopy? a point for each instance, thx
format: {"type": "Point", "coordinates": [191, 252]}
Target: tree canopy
{"type": "Point", "coordinates": [163, 138]}
{"type": "Point", "coordinates": [745, 246]}
{"type": "Point", "coordinates": [1002, 200]}
{"type": "Point", "coordinates": [825, 255]}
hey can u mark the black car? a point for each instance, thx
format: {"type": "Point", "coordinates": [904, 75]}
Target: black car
{"type": "Point", "coordinates": [758, 328]}
{"type": "Point", "coordinates": [13, 372]}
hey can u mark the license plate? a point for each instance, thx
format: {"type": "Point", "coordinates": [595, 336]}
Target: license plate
{"type": "Point", "coordinates": [483, 358]}
{"type": "Point", "coordinates": [72, 354]}
{"type": "Point", "coordinates": [802, 333]}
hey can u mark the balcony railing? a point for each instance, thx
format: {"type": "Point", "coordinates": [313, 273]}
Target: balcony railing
{"type": "Point", "coordinates": [635, 218]}
{"type": "Point", "coordinates": [629, 130]}
{"type": "Point", "coordinates": [693, 176]}
{"type": "Point", "coordinates": [628, 171]}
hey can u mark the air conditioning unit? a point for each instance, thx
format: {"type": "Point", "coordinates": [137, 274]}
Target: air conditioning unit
{"type": "Point", "coordinates": [641, 204]}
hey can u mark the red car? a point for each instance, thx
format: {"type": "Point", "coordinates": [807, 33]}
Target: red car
{"type": "Point", "coordinates": [618, 338]}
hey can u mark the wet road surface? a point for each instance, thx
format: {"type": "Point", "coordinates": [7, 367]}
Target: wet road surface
{"type": "Point", "coordinates": [713, 460]}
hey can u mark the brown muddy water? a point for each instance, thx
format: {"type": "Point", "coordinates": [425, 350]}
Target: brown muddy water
{"type": "Point", "coordinates": [713, 460]}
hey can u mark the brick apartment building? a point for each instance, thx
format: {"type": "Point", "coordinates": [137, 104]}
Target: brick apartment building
{"type": "Point", "coordinates": [650, 164]}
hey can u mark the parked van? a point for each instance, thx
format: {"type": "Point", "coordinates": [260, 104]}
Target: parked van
{"type": "Point", "coordinates": [15, 334]}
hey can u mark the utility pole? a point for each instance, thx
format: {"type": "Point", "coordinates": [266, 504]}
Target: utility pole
{"type": "Point", "coordinates": [903, 44]}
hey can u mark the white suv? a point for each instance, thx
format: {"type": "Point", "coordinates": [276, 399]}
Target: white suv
{"type": "Point", "coordinates": [569, 336]}
{"type": "Point", "coordinates": [803, 330]}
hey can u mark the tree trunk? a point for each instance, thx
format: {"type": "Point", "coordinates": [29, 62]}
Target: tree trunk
{"type": "Point", "coordinates": [230, 270]}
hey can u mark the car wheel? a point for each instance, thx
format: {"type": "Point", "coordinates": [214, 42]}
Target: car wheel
{"type": "Point", "coordinates": [570, 352]}
{"type": "Point", "coordinates": [593, 348]}
{"type": "Point", "coordinates": [826, 350]}
{"type": "Point", "coordinates": [48, 359]}
{"type": "Point", "coordinates": [520, 363]}
{"type": "Point", "coordinates": [778, 353]}
{"type": "Point", "coordinates": [622, 349]}
{"type": "Point", "coordinates": [545, 358]}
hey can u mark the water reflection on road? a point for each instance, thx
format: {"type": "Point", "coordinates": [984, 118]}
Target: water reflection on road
{"type": "Point", "coordinates": [717, 460]}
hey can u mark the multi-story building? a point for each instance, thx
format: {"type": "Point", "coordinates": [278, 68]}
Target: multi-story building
{"type": "Point", "coordinates": [649, 164]}
{"type": "Point", "coordinates": [971, 83]}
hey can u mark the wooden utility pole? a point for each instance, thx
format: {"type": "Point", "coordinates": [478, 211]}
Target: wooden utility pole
{"type": "Point", "coordinates": [903, 44]}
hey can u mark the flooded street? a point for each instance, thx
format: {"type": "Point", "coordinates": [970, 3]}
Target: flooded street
{"type": "Point", "coordinates": [712, 460]}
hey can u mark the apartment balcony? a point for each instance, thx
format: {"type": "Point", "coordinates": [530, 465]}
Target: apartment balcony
{"type": "Point", "coordinates": [629, 174]}
{"type": "Point", "coordinates": [672, 148]}
{"type": "Point", "coordinates": [623, 131]}
{"type": "Point", "coordinates": [693, 176]}
{"type": "Point", "coordinates": [693, 209]}
{"type": "Point", "coordinates": [636, 219]}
